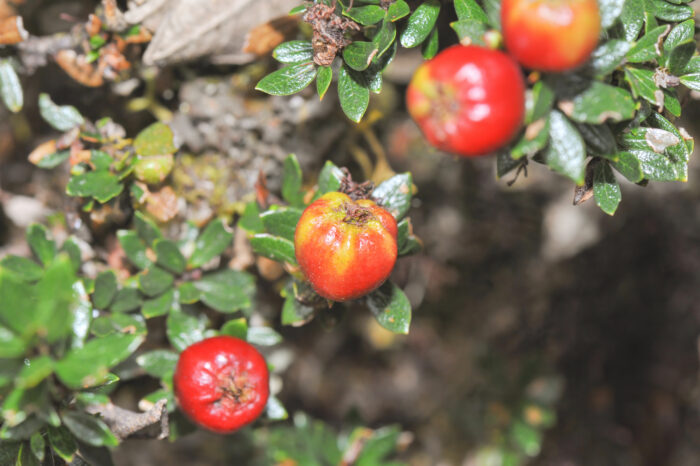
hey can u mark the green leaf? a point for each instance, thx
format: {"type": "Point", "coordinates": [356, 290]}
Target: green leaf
{"type": "Point", "coordinates": [117, 322]}
{"type": "Point", "coordinates": [17, 297]}
{"type": "Point", "coordinates": [100, 184]}
{"type": "Point", "coordinates": [236, 328]}
{"type": "Point", "coordinates": [493, 12]}
{"type": "Point", "coordinates": [609, 11]}
{"type": "Point", "coordinates": [420, 23]}
{"type": "Point", "coordinates": [384, 38]}
{"type": "Point", "coordinates": [227, 290]}
{"type": "Point", "coordinates": [273, 247]}
{"type": "Point", "coordinates": [323, 80]}
{"type": "Point", "coordinates": [632, 19]}
{"type": "Point", "coordinates": [154, 281]}
{"type": "Point", "coordinates": [605, 188]}
{"type": "Point", "coordinates": [645, 49]}
{"type": "Point", "coordinates": [329, 179]}
{"type": "Point", "coordinates": [527, 438]}
{"type": "Point", "coordinates": [429, 48]}
{"type": "Point", "coordinates": [538, 102]}
{"type": "Point", "coordinates": [282, 222]}
{"type": "Point", "coordinates": [358, 55]}
{"type": "Point", "coordinates": [62, 442]}
{"type": "Point", "coordinates": [395, 194]}
{"type": "Point", "coordinates": [680, 56]}
{"type": "Point", "coordinates": [381, 444]}
{"type": "Point", "coordinates": [53, 316]}
{"type": "Point", "coordinates": [296, 313]}
{"type": "Point", "coordinates": [680, 34]}
{"type": "Point", "coordinates": [134, 248]}
{"type": "Point", "coordinates": [61, 117]}
{"type": "Point", "coordinates": [105, 289]}
{"type": "Point", "coordinates": [628, 165]}
{"type": "Point", "coordinates": [406, 241]}
{"type": "Point", "coordinates": [469, 9]}
{"type": "Point", "coordinates": [126, 299]}
{"type": "Point", "coordinates": [54, 160]}
{"type": "Point", "coordinates": [599, 140]}
{"type": "Point", "coordinates": [641, 82]}
{"type": "Point", "coordinates": [397, 10]}
{"type": "Point", "coordinates": [21, 431]}
{"type": "Point", "coordinates": [263, 336]}
{"type": "Point", "coordinates": [527, 146]}
{"type": "Point", "coordinates": [691, 81]}
{"type": "Point", "coordinates": [155, 139]}
{"type": "Point", "coordinates": [10, 346]}
{"type": "Point", "coordinates": [25, 457]}
{"type": "Point", "coordinates": [353, 93]}
{"type": "Point", "coordinates": [670, 12]}
{"type": "Point", "coordinates": [38, 445]}
{"type": "Point", "coordinates": [215, 238]}
{"type": "Point", "coordinates": [169, 256]}
{"type": "Point", "coordinates": [10, 87]}
{"type": "Point", "coordinates": [292, 181]}
{"type": "Point", "coordinates": [288, 80]}
{"type": "Point", "coordinates": [600, 103]}
{"type": "Point", "coordinates": [365, 15]}
{"type": "Point", "coordinates": [159, 305]}
{"type": "Point", "coordinates": [250, 220]}
{"type": "Point", "coordinates": [470, 31]}
{"type": "Point", "coordinates": [42, 247]}
{"type": "Point", "coordinates": [391, 308]}
{"type": "Point", "coordinates": [294, 51]}
{"type": "Point", "coordinates": [158, 363]}
{"type": "Point", "coordinates": [146, 229]}
{"type": "Point", "coordinates": [34, 372]}
{"type": "Point", "coordinates": [608, 56]}
{"type": "Point", "coordinates": [566, 152]}
{"type": "Point", "coordinates": [72, 250]}
{"type": "Point", "coordinates": [82, 315]}
{"type": "Point", "coordinates": [189, 294]}
{"type": "Point", "coordinates": [25, 269]}
{"type": "Point", "coordinates": [88, 366]}
{"type": "Point", "coordinates": [185, 329]}
{"type": "Point", "coordinates": [89, 429]}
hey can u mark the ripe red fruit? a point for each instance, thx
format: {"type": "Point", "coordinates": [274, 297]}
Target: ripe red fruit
{"type": "Point", "coordinates": [345, 248]}
{"type": "Point", "coordinates": [221, 383]}
{"type": "Point", "coordinates": [550, 35]}
{"type": "Point", "coordinates": [468, 100]}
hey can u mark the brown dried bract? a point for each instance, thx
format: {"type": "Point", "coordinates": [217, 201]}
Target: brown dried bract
{"type": "Point", "coordinates": [79, 69]}
{"type": "Point", "coordinates": [353, 189]}
{"type": "Point", "coordinates": [262, 39]}
{"type": "Point", "coordinates": [328, 32]}
{"type": "Point", "coordinates": [12, 30]}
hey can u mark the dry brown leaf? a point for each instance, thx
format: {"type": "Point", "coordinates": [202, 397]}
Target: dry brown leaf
{"type": "Point", "coordinates": [79, 69]}
{"type": "Point", "coordinates": [189, 29]}
{"type": "Point", "coordinates": [162, 204]}
{"type": "Point", "coordinates": [41, 151]}
{"type": "Point", "coordinates": [12, 30]}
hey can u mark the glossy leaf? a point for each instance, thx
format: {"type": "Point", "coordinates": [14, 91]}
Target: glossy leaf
{"type": "Point", "coordinates": [292, 181]}
{"type": "Point", "coordinates": [632, 19]}
{"type": "Point", "coordinates": [215, 238]}
{"type": "Point", "coordinates": [395, 194]}
{"type": "Point", "coordinates": [609, 11]}
{"type": "Point", "coordinates": [600, 103]}
{"type": "Point", "coordinates": [250, 220]}
{"type": "Point", "coordinates": [358, 55]}
{"type": "Point", "coordinates": [185, 329]}
{"type": "Point", "coordinates": [645, 49]}
{"type": "Point", "coordinates": [469, 9]}
{"type": "Point", "coordinates": [227, 290]}
{"type": "Point", "coordinates": [169, 256]}
{"type": "Point", "coordinates": [61, 117]}
{"type": "Point", "coordinates": [100, 184]}
{"type": "Point", "coordinates": [188, 293]}
{"type": "Point", "coordinates": [236, 328]}
{"type": "Point", "coordinates": [117, 322]}
{"type": "Point", "coordinates": [52, 316]}
{"type": "Point", "coordinates": [88, 366]}
{"type": "Point", "coordinates": [365, 15]}
{"type": "Point", "coordinates": [41, 245]}
{"type": "Point", "coordinates": [384, 38]}
{"type": "Point", "coordinates": [605, 188]}
{"type": "Point", "coordinates": [105, 289]}
{"type": "Point", "coordinates": [353, 93]}
{"type": "Point", "coordinates": [282, 222]}
{"type": "Point", "coordinates": [89, 429]}
{"type": "Point", "coordinates": [608, 56]}
{"type": "Point", "coordinates": [160, 305]}
{"type": "Point", "coordinates": [294, 51]}
{"type": "Point", "coordinates": [295, 313]}
{"type": "Point", "coordinates": [406, 241]}
{"type": "Point", "coordinates": [420, 23]}
{"type": "Point", "coordinates": [273, 247]}
{"type": "Point", "coordinates": [146, 229]}
{"type": "Point", "coordinates": [155, 281]}
{"type": "Point", "coordinates": [329, 179]}
{"type": "Point", "coordinates": [323, 80]}
{"type": "Point", "coordinates": [10, 87]}
{"type": "Point", "coordinates": [397, 10]}
{"type": "Point", "coordinates": [670, 12]}
{"type": "Point", "coordinates": [566, 152]}
{"type": "Point", "coordinates": [628, 165]}
{"type": "Point", "coordinates": [288, 80]}
{"type": "Point", "coordinates": [470, 31]}
{"type": "Point", "coordinates": [391, 308]}
{"type": "Point", "coordinates": [126, 299]}
{"type": "Point", "coordinates": [62, 442]}
{"type": "Point", "coordinates": [263, 336]}
{"type": "Point", "coordinates": [158, 363]}
{"type": "Point", "coordinates": [35, 370]}
{"type": "Point", "coordinates": [134, 248]}
{"type": "Point", "coordinates": [429, 48]}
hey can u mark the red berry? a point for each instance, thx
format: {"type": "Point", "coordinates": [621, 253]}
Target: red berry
{"type": "Point", "coordinates": [550, 35]}
{"type": "Point", "coordinates": [345, 248]}
{"type": "Point", "coordinates": [221, 383]}
{"type": "Point", "coordinates": [468, 100]}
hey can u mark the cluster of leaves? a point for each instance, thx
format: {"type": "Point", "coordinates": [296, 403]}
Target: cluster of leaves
{"type": "Point", "coordinates": [616, 112]}
{"type": "Point", "coordinates": [363, 61]}
{"type": "Point", "coordinates": [272, 236]}
{"type": "Point", "coordinates": [66, 340]}
{"type": "Point", "coordinates": [104, 163]}
{"type": "Point", "coordinates": [313, 443]}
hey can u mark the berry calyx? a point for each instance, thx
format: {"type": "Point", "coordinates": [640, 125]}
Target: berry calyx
{"type": "Point", "coordinates": [221, 383]}
{"type": "Point", "coordinates": [550, 35]}
{"type": "Point", "coordinates": [345, 248]}
{"type": "Point", "coordinates": [468, 100]}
